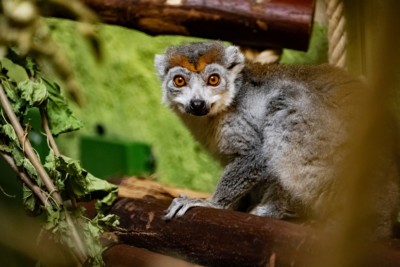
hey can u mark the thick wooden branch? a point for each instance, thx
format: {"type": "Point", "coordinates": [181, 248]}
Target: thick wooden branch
{"type": "Point", "coordinates": [206, 236]}
{"type": "Point", "coordinates": [214, 237]}
{"type": "Point", "coordinates": [258, 24]}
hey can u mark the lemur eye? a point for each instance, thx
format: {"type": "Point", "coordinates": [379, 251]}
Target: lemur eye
{"type": "Point", "coordinates": [179, 81]}
{"type": "Point", "coordinates": [213, 80]}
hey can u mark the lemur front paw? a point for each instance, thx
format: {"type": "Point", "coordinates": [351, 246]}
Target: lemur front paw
{"type": "Point", "coordinates": [181, 204]}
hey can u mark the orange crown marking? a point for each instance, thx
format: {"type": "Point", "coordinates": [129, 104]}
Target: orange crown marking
{"type": "Point", "coordinates": [212, 56]}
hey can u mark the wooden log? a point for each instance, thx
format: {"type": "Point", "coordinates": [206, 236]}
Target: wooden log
{"type": "Point", "coordinates": [258, 24]}
{"type": "Point", "coordinates": [214, 237]}
{"type": "Point", "coordinates": [127, 256]}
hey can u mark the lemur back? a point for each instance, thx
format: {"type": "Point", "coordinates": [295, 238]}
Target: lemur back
{"type": "Point", "coordinates": [281, 131]}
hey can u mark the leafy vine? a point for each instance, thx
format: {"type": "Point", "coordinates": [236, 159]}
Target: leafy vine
{"type": "Point", "coordinates": [54, 187]}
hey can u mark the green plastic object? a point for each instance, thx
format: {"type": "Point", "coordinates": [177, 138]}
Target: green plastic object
{"type": "Point", "coordinates": [105, 157]}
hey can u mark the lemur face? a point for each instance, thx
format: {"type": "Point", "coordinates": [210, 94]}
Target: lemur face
{"type": "Point", "coordinates": [197, 93]}
{"type": "Point", "coordinates": [198, 78]}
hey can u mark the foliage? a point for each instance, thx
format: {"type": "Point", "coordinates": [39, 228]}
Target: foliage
{"type": "Point", "coordinates": [54, 187]}
{"type": "Point", "coordinates": [71, 180]}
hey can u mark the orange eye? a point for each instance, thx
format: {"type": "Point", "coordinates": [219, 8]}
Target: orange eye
{"type": "Point", "coordinates": [213, 80]}
{"type": "Point", "coordinates": [179, 81]}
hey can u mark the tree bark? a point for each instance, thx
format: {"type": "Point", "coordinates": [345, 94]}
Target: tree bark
{"type": "Point", "coordinates": [258, 24]}
{"type": "Point", "coordinates": [213, 237]}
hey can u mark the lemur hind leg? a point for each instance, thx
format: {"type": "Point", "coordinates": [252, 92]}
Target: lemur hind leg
{"type": "Point", "coordinates": [275, 203]}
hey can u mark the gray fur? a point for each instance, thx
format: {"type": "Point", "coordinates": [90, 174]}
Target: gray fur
{"type": "Point", "coordinates": [160, 62]}
{"type": "Point", "coordinates": [280, 131]}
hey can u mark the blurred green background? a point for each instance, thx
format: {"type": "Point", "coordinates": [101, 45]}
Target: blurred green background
{"type": "Point", "coordinates": [123, 94]}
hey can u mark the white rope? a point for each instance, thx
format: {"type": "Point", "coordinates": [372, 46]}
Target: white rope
{"type": "Point", "coordinates": [337, 36]}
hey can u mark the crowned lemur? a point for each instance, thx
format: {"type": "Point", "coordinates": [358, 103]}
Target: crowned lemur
{"type": "Point", "coordinates": [279, 130]}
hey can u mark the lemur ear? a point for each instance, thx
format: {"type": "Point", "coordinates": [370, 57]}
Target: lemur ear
{"type": "Point", "coordinates": [233, 57]}
{"type": "Point", "coordinates": [160, 64]}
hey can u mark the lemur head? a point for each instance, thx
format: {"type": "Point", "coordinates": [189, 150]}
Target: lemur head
{"type": "Point", "coordinates": [198, 78]}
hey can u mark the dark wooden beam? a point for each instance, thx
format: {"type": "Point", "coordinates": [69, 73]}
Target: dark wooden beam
{"type": "Point", "coordinates": [253, 23]}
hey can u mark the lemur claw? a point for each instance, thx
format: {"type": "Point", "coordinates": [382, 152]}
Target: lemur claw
{"type": "Point", "coordinates": [182, 204]}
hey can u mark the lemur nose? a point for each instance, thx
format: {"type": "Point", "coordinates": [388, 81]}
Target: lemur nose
{"type": "Point", "coordinates": [198, 107]}
{"type": "Point", "coordinates": [197, 104]}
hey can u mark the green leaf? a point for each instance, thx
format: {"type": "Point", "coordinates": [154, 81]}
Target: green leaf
{"type": "Point", "coordinates": [110, 221]}
{"type": "Point", "coordinates": [9, 132]}
{"type": "Point", "coordinates": [11, 88]}
{"type": "Point", "coordinates": [61, 118]}
{"type": "Point", "coordinates": [29, 168]}
{"type": "Point", "coordinates": [34, 92]}
{"type": "Point", "coordinates": [25, 62]}
{"type": "Point", "coordinates": [29, 199]}
{"type": "Point", "coordinates": [92, 231]}
{"type": "Point", "coordinates": [84, 186]}
{"type": "Point", "coordinates": [54, 219]}
{"type": "Point", "coordinates": [50, 166]}
{"type": "Point", "coordinates": [18, 156]}
{"type": "Point", "coordinates": [5, 148]}
{"type": "Point", "coordinates": [104, 203]}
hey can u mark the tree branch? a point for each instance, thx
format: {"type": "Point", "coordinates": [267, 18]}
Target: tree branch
{"type": "Point", "coordinates": [25, 179]}
{"type": "Point", "coordinates": [45, 125]}
{"type": "Point", "coordinates": [213, 237]}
